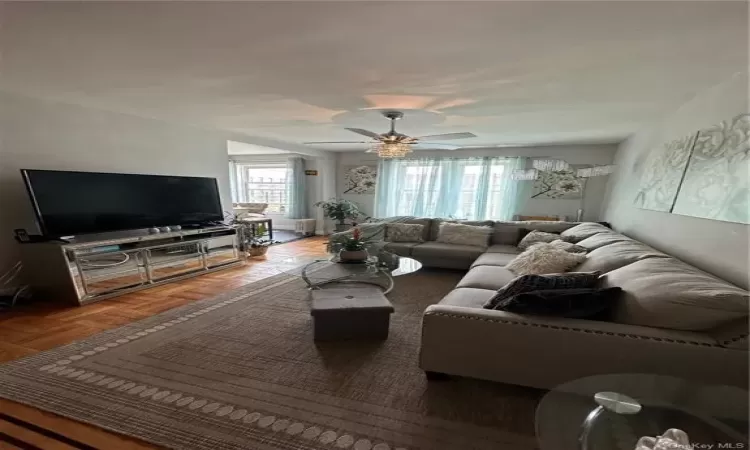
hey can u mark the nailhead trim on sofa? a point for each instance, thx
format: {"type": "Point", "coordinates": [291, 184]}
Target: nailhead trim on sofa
{"type": "Point", "coordinates": [735, 339]}
{"type": "Point", "coordinates": [579, 330]}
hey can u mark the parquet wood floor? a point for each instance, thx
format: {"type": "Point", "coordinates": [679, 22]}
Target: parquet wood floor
{"type": "Point", "coordinates": [36, 327]}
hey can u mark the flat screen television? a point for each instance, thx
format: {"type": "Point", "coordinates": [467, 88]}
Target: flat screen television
{"type": "Point", "coordinates": [74, 203]}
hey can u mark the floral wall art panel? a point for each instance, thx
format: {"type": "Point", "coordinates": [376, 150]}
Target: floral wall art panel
{"type": "Point", "coordinates": [716, 184]}
{"type": "Point", "coordinates": [558, 184]}
{"type": "Point", "coordinates": [661, 174]}
{"type": "Point", "coordinates": [360, 179]}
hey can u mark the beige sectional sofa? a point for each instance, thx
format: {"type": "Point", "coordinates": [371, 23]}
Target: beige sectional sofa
{"type": "Point", "coordinates": [672, 319]}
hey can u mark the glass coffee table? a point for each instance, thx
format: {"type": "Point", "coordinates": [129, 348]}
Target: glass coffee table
{"type": "Point", "coordinates": [377, 270]}
{"type": "Point", "coordinates": [612, 412]}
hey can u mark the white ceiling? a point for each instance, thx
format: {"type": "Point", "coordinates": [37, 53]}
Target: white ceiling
{"type": "Point", "coordinates": [510, 72]}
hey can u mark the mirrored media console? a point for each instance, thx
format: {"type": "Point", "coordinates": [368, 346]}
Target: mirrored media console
{"type": "Point", "coordinates": [84, 270]}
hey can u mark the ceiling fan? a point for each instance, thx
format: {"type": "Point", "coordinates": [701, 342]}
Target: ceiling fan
{"type": "Point", "coordinates": [394, 144]}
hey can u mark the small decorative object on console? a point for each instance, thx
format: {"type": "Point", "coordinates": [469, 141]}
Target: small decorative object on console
{"type": "Point", "coordinates": [354, 248]}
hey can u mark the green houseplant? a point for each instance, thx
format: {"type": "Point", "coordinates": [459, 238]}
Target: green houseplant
{"type": "Point", "coordinates": [251, 237]}
{"type": "Point", "coordinates": [339, 210]}
{"type": "Point", "coordinates": [257, 246]}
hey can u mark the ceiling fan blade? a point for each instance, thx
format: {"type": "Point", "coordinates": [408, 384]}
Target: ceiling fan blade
{"type": "Point", "coordinates": [448, 136]}
{"type": "Point", "coordinates": [435, 146]}
{"type": "Point", "coordinates": [336, 142]}
{"type": "Point", "coordinates": [364, 132]}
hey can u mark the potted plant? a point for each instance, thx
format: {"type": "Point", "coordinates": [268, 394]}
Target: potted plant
{"type": "Point", "coordinates": [354, 248]}
{"type": "Point", "coordinates": [251, 238]}
{"type": "Point", "coordinates": [339, 210]}
{"type": "Point", "coordinates": [256, 245]}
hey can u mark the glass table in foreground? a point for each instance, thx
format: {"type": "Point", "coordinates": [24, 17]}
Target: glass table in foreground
{"type": "Point", "coordinates": [376, 270]}
{"type": "Point", "coordinates": [612, 412]}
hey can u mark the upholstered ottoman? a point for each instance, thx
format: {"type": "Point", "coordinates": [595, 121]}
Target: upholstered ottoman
{"type": "Point", "coordinates": [353, 311]}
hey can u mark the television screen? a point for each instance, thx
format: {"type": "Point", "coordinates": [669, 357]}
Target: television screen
{"type": "Point", "coordinates": [71, 203]}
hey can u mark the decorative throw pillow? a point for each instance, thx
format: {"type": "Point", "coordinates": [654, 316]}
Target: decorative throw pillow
{"type": "Point", "coordinates": [404, 232]}
{"type": "Point", "coordinates": [544, 258]}
{"type": "Point", "coordinates": [568, 247]}
{"type": "Point", "coordinates": [527, 238]}
{"type": "Point", "coordinates": [583, 303]}
{"type": "Point", "coordinates": [534, 237]}
{"type": "Point", "coordinates": [528, 283]}
{"type": "Point", "coordinates": [460, 234]}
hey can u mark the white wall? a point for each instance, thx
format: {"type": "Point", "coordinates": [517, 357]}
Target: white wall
{"type": "Point", "coordinates": [573, 154]}
{"type": "Point", "coordinates": [37, 134]}
{"type": "Point", "coordinates": [717, 247]}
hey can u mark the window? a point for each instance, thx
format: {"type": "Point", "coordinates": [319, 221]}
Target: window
{"type": "Point", "coordinates": [263, 183]}
{"type": "Point", "coordinates": [471, 188]}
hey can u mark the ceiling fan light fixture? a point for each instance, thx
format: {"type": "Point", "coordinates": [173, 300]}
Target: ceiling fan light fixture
{"type": "Point", "coordinates": [524, 174]}
{"type": "Point", "coordinates": [391, 150]}
{"type": "Point", "coordinates": [596, 171]}
{"type": "Point", "coordinates": [550, 165]}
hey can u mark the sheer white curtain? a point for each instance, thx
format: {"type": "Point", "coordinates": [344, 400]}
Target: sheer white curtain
{"type": "Point", "coordinates": [296, 189]}
{"type": "Point", "coordinates": [462, 188]}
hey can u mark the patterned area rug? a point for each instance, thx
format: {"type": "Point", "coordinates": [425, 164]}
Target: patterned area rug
{"type": "Point", "coordinates": [241, 371]}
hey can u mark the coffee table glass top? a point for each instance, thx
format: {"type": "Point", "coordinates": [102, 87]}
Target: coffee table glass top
{"type": "Point", "coordinates": [614, 411]}
{"type": "Point", "coordinates": [378, 270]}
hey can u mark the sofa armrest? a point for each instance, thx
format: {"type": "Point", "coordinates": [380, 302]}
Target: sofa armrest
{"type": "Point", "coordinates": [544, 352]}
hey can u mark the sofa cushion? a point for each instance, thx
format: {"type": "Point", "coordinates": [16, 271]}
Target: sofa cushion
{"type": "Point", "coordinates": [619, 254]}
{"type": "Point", "coordinates": [602, 239]}
{"type": "Point", "coordinates": [463, 234]}
{"type": "Point", "coordinates": [528, 283]}
{"type": "Point", "coordinates": [494, 259]}
{"type": "Point", "coordinates": [467, 297]}
{"type": "Point", "coordinates": [487, 277]}
{"type": "Point", "coordinates": [404, 232]}
{"type": "Point", "coordinates": [544, 258]}
{"type": "Point", "coordinates": [667, 293]}
{"type": "Point", "coordinates": [400, 248]}
{"type": "Point", "coordinates": [466, 253]}
{"type": "Point", "coordinates": [584, 230]}
{"type": "Point", "coordinates": [435, 225]}
{"type": "Point", "coordinates": [499, 248]}
{"type": "Point", "coordinates": [505, 233]}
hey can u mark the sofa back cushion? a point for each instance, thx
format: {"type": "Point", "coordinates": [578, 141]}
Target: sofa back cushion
{"type": "Point", "coordinates": [667, 293]}
{"type": "Point", "coordinates": [435, 225]}
{"type": "Point", "coordinates": [584, 230]}
{"type": "Point", "coordinates": [602, 239]}
{"type": "Point", "coordinates": [464, 234]}
{"type": "Point", "coordinates": [618, 254]}
{"type": "Point", "coordinates": [508, 233]}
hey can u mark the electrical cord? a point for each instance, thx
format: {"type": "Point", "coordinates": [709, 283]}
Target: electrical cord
{"type": "Point", "coordinates": [13, 293]}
